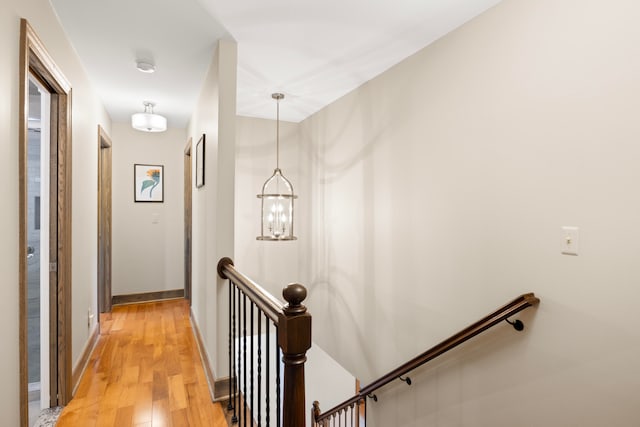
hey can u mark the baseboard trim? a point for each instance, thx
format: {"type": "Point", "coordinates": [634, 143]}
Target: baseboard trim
{"type": "Point", "coordinates": [218, 389]}
{"type": "Point", "coordinates": [204, 357]}
{"type": "Point", "coordinates": [147, 297]}
{"type": "Point", "coordinates": [83, 362]}
{"type": "Point", "coordinates": [221, 389]}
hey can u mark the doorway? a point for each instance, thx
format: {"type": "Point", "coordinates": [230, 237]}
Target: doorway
{"type": "Point", "coordinates": [104, 223]}
{"type": "Point", "coordinates": [44, 229]}
{"type": "Point", "coordinates": [38, 248]}
{"type": "Point", "coordinates": [187, 221]}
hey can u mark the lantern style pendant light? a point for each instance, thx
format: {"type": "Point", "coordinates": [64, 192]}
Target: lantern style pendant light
{"type": "Point", "coordinates": [277, 197]}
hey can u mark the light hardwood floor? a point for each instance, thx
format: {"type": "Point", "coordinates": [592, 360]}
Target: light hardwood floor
{"type": "Point", "coordinates": [145, 371]}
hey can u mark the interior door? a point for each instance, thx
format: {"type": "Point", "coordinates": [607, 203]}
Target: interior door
{"type": "Point", "coordinates": [104, 221]}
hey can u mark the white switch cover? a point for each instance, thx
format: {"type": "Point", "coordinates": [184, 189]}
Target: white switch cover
{"type": "Point", "coordinates": [570, 240]}
{"type": "Point", "coordinates": [155, 218]}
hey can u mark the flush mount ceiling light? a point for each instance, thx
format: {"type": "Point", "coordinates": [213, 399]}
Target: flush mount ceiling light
{"type": "Point", "coordinates": [145, 67]}
{"type": "Point", "coordinates": [277, 196]}
{"type": "Point", "coordinates": [148, 121]}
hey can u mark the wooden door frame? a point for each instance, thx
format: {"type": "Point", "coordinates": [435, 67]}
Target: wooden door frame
{"type": "Point", "coordinates": [35, 60]}
{"type": "Point", "coordinates": [188, 218]}
{"type": "Point", "coordinates": [104, 236]}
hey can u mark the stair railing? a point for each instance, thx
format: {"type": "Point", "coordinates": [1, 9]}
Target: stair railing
{"type": "Point", "coordinates": [352, 412]}
{"type": "Point", "coordinates": [249, 306]}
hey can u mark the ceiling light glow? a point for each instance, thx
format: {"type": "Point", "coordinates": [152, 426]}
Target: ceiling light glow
{"type": "Point", "coordinates": [149, 121]}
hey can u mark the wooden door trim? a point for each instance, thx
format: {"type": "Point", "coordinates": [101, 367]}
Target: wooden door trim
{"type": "Point", "coordinates": [35, 59]}
{"type": "Point", "coordinates": [104, 287]}
{"type": "Point", "coordinates": [103, 138]}
{"type": "Point", "coordinates": [188, 230]}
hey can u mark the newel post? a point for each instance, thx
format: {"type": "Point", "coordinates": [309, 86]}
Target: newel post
{"type": "Point", "coordinates": [294, 337]}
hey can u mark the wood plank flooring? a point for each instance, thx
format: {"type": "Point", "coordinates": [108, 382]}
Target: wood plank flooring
{"type": "Point", "coordinates": [145, 371]}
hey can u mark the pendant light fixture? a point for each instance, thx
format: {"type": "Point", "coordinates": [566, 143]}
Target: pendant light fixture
{"type": "Point", "coordinates": [277, 196]}
{"type": "Point", "coordinates": [148, 121]}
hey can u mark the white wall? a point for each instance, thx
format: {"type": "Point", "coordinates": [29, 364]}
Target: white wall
{"type": "Point", "coordinates": [87, 114]}
{"type": "Point", "coordinates": [437, 192]}
{"type": "Point", "coordinates": [213, 204]}
{"type": "Point", "coordinates": [273, 264]}
{"type": "Point", "coordinates": [148, 238]}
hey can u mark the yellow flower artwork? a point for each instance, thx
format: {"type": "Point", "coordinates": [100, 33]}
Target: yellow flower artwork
{"type": "Point", "coordinates": [149, 183]}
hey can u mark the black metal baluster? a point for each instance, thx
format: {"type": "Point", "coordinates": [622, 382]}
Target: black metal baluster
{"type": "Point", "coordinates": [253, 337]}
{"type": "Point", "coordinates": [239, 351]}
{"type": "Point", "coordinates": [244, 357]}
{"type": "Point", "coordinates": [234, 419]}
{"type": "Point", "coordinates": [229, 405]}
{"type": "Point", "coordinates": [278, 357]}
{"type": "Point", "coordinates": [365, 412]}
{"type": "Point", "coordinates": [267, 379]}
{"type": "Point", "coordinates": [259, 368]}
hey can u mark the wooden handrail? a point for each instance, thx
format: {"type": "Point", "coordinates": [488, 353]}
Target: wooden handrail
{"type": "Point", "coordinates": [501, 314]}
{"type": "Point", "coordinates": [269, 304]}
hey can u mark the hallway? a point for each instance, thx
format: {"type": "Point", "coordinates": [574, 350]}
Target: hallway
{"type": "Point", "coordinates": [144, 371]}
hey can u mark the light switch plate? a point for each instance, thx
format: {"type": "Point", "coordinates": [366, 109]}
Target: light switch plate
{"type": "Point", "coordinates": [570, 240]}
{"type": "Point", "coordinates": [155, 218]}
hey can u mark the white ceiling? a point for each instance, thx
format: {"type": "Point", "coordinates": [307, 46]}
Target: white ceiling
{"type": "Point", "coordinates": [312, 51]}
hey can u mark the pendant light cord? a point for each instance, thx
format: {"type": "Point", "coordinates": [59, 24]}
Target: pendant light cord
{"type": "Point", "coordinates": [278, 133]}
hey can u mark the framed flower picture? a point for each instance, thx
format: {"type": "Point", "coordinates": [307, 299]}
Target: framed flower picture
{"type": "Point", "coordinates": [148, 183]}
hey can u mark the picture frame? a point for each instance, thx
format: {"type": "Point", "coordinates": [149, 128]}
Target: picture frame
{"type": "Point", "coordinates": [200, 163]}
{"type": "Point", "coordinates": [148, 183]}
